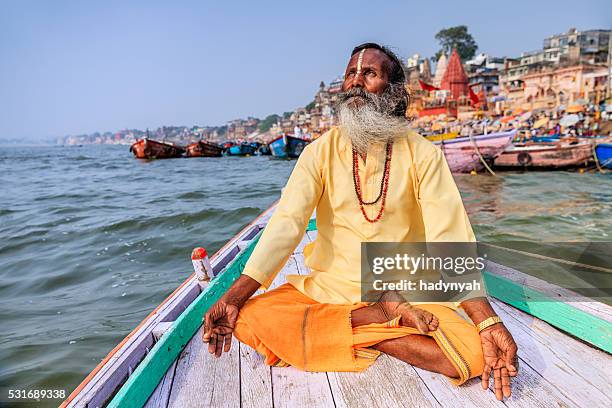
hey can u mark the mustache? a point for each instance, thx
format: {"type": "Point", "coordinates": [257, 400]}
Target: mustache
{"type": "Point", "coordinates": [356, 92]}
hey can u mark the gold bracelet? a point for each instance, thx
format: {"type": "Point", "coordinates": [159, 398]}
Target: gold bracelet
{"type": "Point", "coordinates": [488, 323]}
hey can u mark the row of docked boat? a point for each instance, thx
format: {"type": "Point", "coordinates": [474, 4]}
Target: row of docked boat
{"type": "Point", "coordinates": [472, 153]}
{"type": "Point", "coordinates": [463, 154]}
{"type": "Point", "coordinates": [285, 146]}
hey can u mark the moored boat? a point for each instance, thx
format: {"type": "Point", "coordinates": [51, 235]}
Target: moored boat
{"type": "Point", "coordinates": [466, 154]}
{"type": "Point", "coordinates": [243, 149]}
{"type": "Point", "coordinates": [163, 362]}
{"type": "Point", "coordinates": [150, 149]}
{"type": "Point", "coordinates": [603, 154]}
{"type": "Point", "coordinates": [204, 149]}
{"type": "Point", "coordinates": [264, 150]}
{"type": "Point", "coordinates": [545, 155]}
{"type": "Point", "coordinates": [287, 146]}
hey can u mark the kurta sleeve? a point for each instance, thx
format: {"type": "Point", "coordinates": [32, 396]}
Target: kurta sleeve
{"type": "Point", "coordinates": [287, 225]}
{"type": "Point", "coordinates": [443, 213]}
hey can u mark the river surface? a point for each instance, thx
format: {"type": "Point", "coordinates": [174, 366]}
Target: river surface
{"type": "Point", "coordinates": [92, 240]}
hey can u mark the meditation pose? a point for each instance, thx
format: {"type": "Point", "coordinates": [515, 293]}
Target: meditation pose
{"type": "Point", "coordinates": [370, 179]}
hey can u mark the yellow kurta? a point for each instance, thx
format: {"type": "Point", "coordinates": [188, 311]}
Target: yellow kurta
{"type": "Point", "coordinates": [423, 204]}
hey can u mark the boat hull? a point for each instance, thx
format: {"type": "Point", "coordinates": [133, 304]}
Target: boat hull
{"type": "Point", "coordinates": [543, 156]}
{"type": "Point", "coordinates": [462, 156]}
{"type": "Point", "coordinates": [241, 150]}
{"type": "Point", "coordinates": [604, 154]}
{"type": "Point", "coordinates": [204, 149]}
{"type": "Point", "coordinates": [287, 147]}
{"type": "Point", "coordinates": [152, 149]}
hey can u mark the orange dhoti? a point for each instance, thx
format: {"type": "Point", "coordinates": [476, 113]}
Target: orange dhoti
{"type": "Point", "coordinates": [289, 328]}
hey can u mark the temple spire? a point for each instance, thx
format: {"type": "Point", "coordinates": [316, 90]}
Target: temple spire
{"type": "Point", "coordinates": [455, 79]}
{"type": "Point", "coordinates": [440, 69]}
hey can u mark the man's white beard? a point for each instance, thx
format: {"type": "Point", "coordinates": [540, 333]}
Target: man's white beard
{"type": "Point", "coordinates": [366, 124]}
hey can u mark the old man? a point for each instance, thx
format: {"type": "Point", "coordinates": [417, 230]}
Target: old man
{"type": "Point", "coordinates": [370, 179]}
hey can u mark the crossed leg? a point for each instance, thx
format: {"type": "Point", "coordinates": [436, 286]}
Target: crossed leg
{"type": "Point", "coordinates": [418, 350]}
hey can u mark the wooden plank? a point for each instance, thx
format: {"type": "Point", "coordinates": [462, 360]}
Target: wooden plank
{"type": "Point", "coordinates": [202, 380]}
{"type": "Point", "coordinates": [161, 395]}
{"type": "Point", "coordinates": [255, 379]}
{"type": "Point", "coordinates": [290, 386]}
{"type": "Point", "coordinates": [532, 390]}
{"type": "Point", "coordinates": [294, 388]}
{"type": "Point", "coordinates": [387, 383]}
{"type": "Point", "coordinates": [580, 373]}
{"type": "Point", "coordinates": [150, 371]}
{"type": "Point", "coordinates": [583, 325]}
{"type": "Point", "coordinates": [469, 394]}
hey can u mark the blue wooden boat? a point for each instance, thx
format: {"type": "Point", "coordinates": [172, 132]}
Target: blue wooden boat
{"type": "Point", "coordinates": [243, 149]}
{"type": "Point", "coordinates": [603, 153]}
{"type": "Point", "coordinates": [287, 146]}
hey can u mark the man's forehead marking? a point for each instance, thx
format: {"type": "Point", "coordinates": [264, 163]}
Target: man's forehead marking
{"type": "Point", "coordinates": [359, 61]}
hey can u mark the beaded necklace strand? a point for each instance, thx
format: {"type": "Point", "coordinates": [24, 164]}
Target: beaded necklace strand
{"type": "Point", "coordinates": [384, 184]}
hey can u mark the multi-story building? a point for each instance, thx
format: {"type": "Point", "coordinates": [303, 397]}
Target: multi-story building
{"type": "Point", "coordinates": [483, 73]}
{"type": "Point", "coordinates": [570, 67]}
{"type": "Point", "coordinates": [590, 46]}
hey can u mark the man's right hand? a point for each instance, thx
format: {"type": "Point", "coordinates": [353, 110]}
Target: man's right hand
{"type": "Point", "coordinates": [220, 319]}
{"type": "Point", "coordinates": [219, 323]}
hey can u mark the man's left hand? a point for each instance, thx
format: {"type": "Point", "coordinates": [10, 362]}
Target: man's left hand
{"type": "Point", "coordinates": [499, 350]}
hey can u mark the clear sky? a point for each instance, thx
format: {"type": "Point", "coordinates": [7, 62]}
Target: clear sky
{"type": "Point", "coordinates": [70, 67]}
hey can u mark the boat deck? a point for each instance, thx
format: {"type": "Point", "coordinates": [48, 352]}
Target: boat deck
{"type": "Point", "coordinates": [555, 370]}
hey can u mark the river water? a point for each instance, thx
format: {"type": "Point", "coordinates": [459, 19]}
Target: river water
{"type": "Point", "coordinates": [92, 240]}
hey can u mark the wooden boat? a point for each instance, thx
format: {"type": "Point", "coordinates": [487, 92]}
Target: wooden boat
{"type": "Point", "coordinates": [264, 150]}
{"type": "Point", "coordinates": [564, 352]}
{"type": "Point", "coordinates": [204, 149]}
{"type": "Point", "coordinates": [243, 149]}
{"type": "Point", "coordinates": [150, 149]}
{"type": "Point", "coordinates": [465, 154]}
{"type": "Point", "coordinates": [603, 154]}
{"type": "Point", "coordinates": [287, 146]}
{"type": "Point", "coordinates": [546, 155]}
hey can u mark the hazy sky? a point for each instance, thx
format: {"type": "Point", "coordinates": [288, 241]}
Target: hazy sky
{"type": "Point", "coordinates": [69, 67]}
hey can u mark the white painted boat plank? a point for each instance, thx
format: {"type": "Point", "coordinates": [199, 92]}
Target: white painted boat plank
{"type": "Point", "coordinates": [290, 268]}
{"type": "Point", "coordinates": [294, 388]}
{"type": "Point", "coordinates": [531, 390]}
{"type": "Point", "coordinates": [201, 380]}
{"type": "Point", "coordinates": [579, 372]}
{"type": "Point", "coordinates": [469, 394]}
{"type": "Point", "coordinates": [255, 379]}
{"type": "Point", "coordinates": [387, 383]}
{"type": "Point", "coordinates": [161, 395]}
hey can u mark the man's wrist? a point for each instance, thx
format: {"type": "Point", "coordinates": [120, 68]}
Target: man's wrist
{"type": "Point", "coordinates": [241, 291]}
{"type": "Point", "coordinates": [478, 309]}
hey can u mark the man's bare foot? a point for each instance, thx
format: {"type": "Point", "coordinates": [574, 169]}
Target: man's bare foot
{"type": "Point", "coordinates": [410, 316]}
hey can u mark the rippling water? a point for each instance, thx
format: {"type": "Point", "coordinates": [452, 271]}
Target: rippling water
{"type": "Point", "coordinates": [93, 240]}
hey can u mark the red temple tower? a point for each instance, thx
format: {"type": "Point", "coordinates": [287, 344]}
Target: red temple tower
{"type": "Point", "coordinates": [455, 79]}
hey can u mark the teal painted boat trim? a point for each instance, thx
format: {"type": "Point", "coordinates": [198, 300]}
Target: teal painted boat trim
{"type": "Point", "coordinates": [312, 225]}
{"type": "Point", "coordinates": [141, 384]}
{"type": "Point", "coordinates": [564, 316]}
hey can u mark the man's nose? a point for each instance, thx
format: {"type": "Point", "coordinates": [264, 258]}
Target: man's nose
{"type": "Point", "coordinates": [357, 81]}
